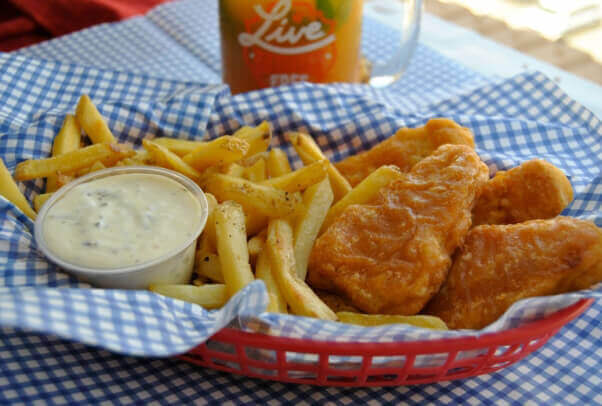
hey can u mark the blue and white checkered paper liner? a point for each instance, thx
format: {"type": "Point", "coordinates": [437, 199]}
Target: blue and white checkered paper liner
{"type": "Point", "coordinates": [34, 96]}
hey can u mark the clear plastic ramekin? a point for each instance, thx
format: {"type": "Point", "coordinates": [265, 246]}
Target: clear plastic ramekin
{"type": "Point", "coordinates": [175, 267]}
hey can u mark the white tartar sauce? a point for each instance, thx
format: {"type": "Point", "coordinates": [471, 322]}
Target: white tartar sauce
{"type": "Point", "coordinates": [121, 220]}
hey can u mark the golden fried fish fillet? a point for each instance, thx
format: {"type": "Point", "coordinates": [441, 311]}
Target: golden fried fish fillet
{"type": "Point", "coordinates": [500, 264]}
{"type": "Point", "coordinates": [534, 190]}
{"type": "Point", "coordinates": [405, 148]}
{"type": "Point", "coordinates": [392, 255]}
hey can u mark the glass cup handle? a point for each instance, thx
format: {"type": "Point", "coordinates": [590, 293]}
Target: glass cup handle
{"type": "Point", "coordinates": [402, 18]}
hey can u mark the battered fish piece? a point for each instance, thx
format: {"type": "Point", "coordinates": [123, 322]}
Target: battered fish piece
{"type": "Point", "coordinates": [392, 255]}
{"type": "Point", "coordinates": [501, 264]}
{"type": "Point", "coordinates": [404, 149]}
{"type": "Point", "coordinates": [534, 190]}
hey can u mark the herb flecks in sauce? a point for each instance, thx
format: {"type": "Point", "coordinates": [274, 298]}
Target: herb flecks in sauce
{"type": "Point", "coordinates": [121, 220]}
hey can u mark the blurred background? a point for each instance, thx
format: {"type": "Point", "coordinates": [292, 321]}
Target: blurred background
{"type": "Point", "coordinates": [565, 33]}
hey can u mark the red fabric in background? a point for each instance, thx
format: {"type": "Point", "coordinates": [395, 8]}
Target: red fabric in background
{"type": "Point", "coordinates": [25, 22]}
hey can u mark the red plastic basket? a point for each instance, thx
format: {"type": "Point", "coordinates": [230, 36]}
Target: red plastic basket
{"type": "Point", "coordinates": [234, 351]}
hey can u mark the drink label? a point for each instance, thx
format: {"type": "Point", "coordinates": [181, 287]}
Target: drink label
{"type": "Point", "coordinates": [287, 41]}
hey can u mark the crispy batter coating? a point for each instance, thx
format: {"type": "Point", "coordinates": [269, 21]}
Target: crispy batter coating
{"type": "Point", "coordinates": [500, 264]}
{"type": "Point", "coordinates": [534, 190]}
{"type": "Point", "coordinates": [404, 149]}
{"type": "Point", "coordinates": [392, 255]}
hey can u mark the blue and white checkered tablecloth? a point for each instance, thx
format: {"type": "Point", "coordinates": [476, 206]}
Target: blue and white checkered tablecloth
{"type": "Point", "coordinates": [159, 75]}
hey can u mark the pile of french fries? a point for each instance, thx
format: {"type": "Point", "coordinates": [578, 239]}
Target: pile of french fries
{"type": "Point", "coordinates": [263, 216]}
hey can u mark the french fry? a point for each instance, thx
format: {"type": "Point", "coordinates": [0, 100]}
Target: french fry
{"type": "Point", "coordinates": [204, 247]}
{"type": "Point", "coordinates": [277, 163]}
{"type": "Point", "coordinates": [232, 246]}
{"type": "Point", "coordinates": [40, 199]}
{"type": "Point", "coordinates": [220, 151]}
{"type": "Point", "coordinates": [259, 137]}
{"type": "Point", "coordinates": [62, 179]}
{"type": "Point", "coordinates": [209, 266]}
{"type": "Point", "coordinates": [232, 169]}
{"type": "Point", "coordinates": [209, 231]}
{"type": "Point", "coordinates": [71, 162]}
{"type": "Point", "coordinates": [10, 191]}
{"type": "Point", "coordinates": [92, 122]}
{"type": "Point", "coordinates": [254, 221]}
{"type": "Point", "coordinates": [212, 170]}
{"type": "Point", "coordinates": [316, 202]}
{"type": "Point", "coordinates": [207, 262]}
{"type": "Point", "coordinates": [210, 296]}
{"type": "Point", "coordinates": [96, 166]}
{"type": "Point", "coordinates": [298, 295]}
{"type": "Point", "coordinates": [300, 179]}
{"type": "Point", "coordinates": [252, 159]}
{"type": "Point", "coordinates": [255, 172]}
{"type": "Point", "coordinates": [255, 245]}
{"type": "Point", "coordinates": [163, 157]}
{"type": "Point", "coordinates": [431, 322]}
{"type": "Point", "coordinates": [211, 202]}
{"type": "Point", "coordinates": [363, 192]}
{"type": "Point", "coordinates": [310, 152]}
{"type": "Point", "coordinates": [68, 139]}
{"type": "Point", "coordinates": [265, 200]}
{"type": "Point", "coordinates": [84, 171]}
{"type": "Point", "coordinates": [263, 271]}
{"type": "Point", "coordinates": [140, 157]}
{"type": "Point", "coordinates": [177, 146]}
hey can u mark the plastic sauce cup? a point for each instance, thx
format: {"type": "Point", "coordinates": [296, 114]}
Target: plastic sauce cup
{"type": "Point", "coordinates": [175, 267]}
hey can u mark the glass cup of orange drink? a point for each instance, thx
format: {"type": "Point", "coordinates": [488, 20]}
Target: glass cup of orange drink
{"type": "Point", "coordinates": [268, 43]}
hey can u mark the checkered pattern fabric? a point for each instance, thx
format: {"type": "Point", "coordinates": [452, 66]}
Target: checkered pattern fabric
{"type": "Point", "coordinates": [180, 41]}
{"type": "Point", "coordinates": [513, 120]}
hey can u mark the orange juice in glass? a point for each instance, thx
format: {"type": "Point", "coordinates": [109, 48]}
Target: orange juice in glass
{"type": "Point", "coordinates": [274, 42]}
